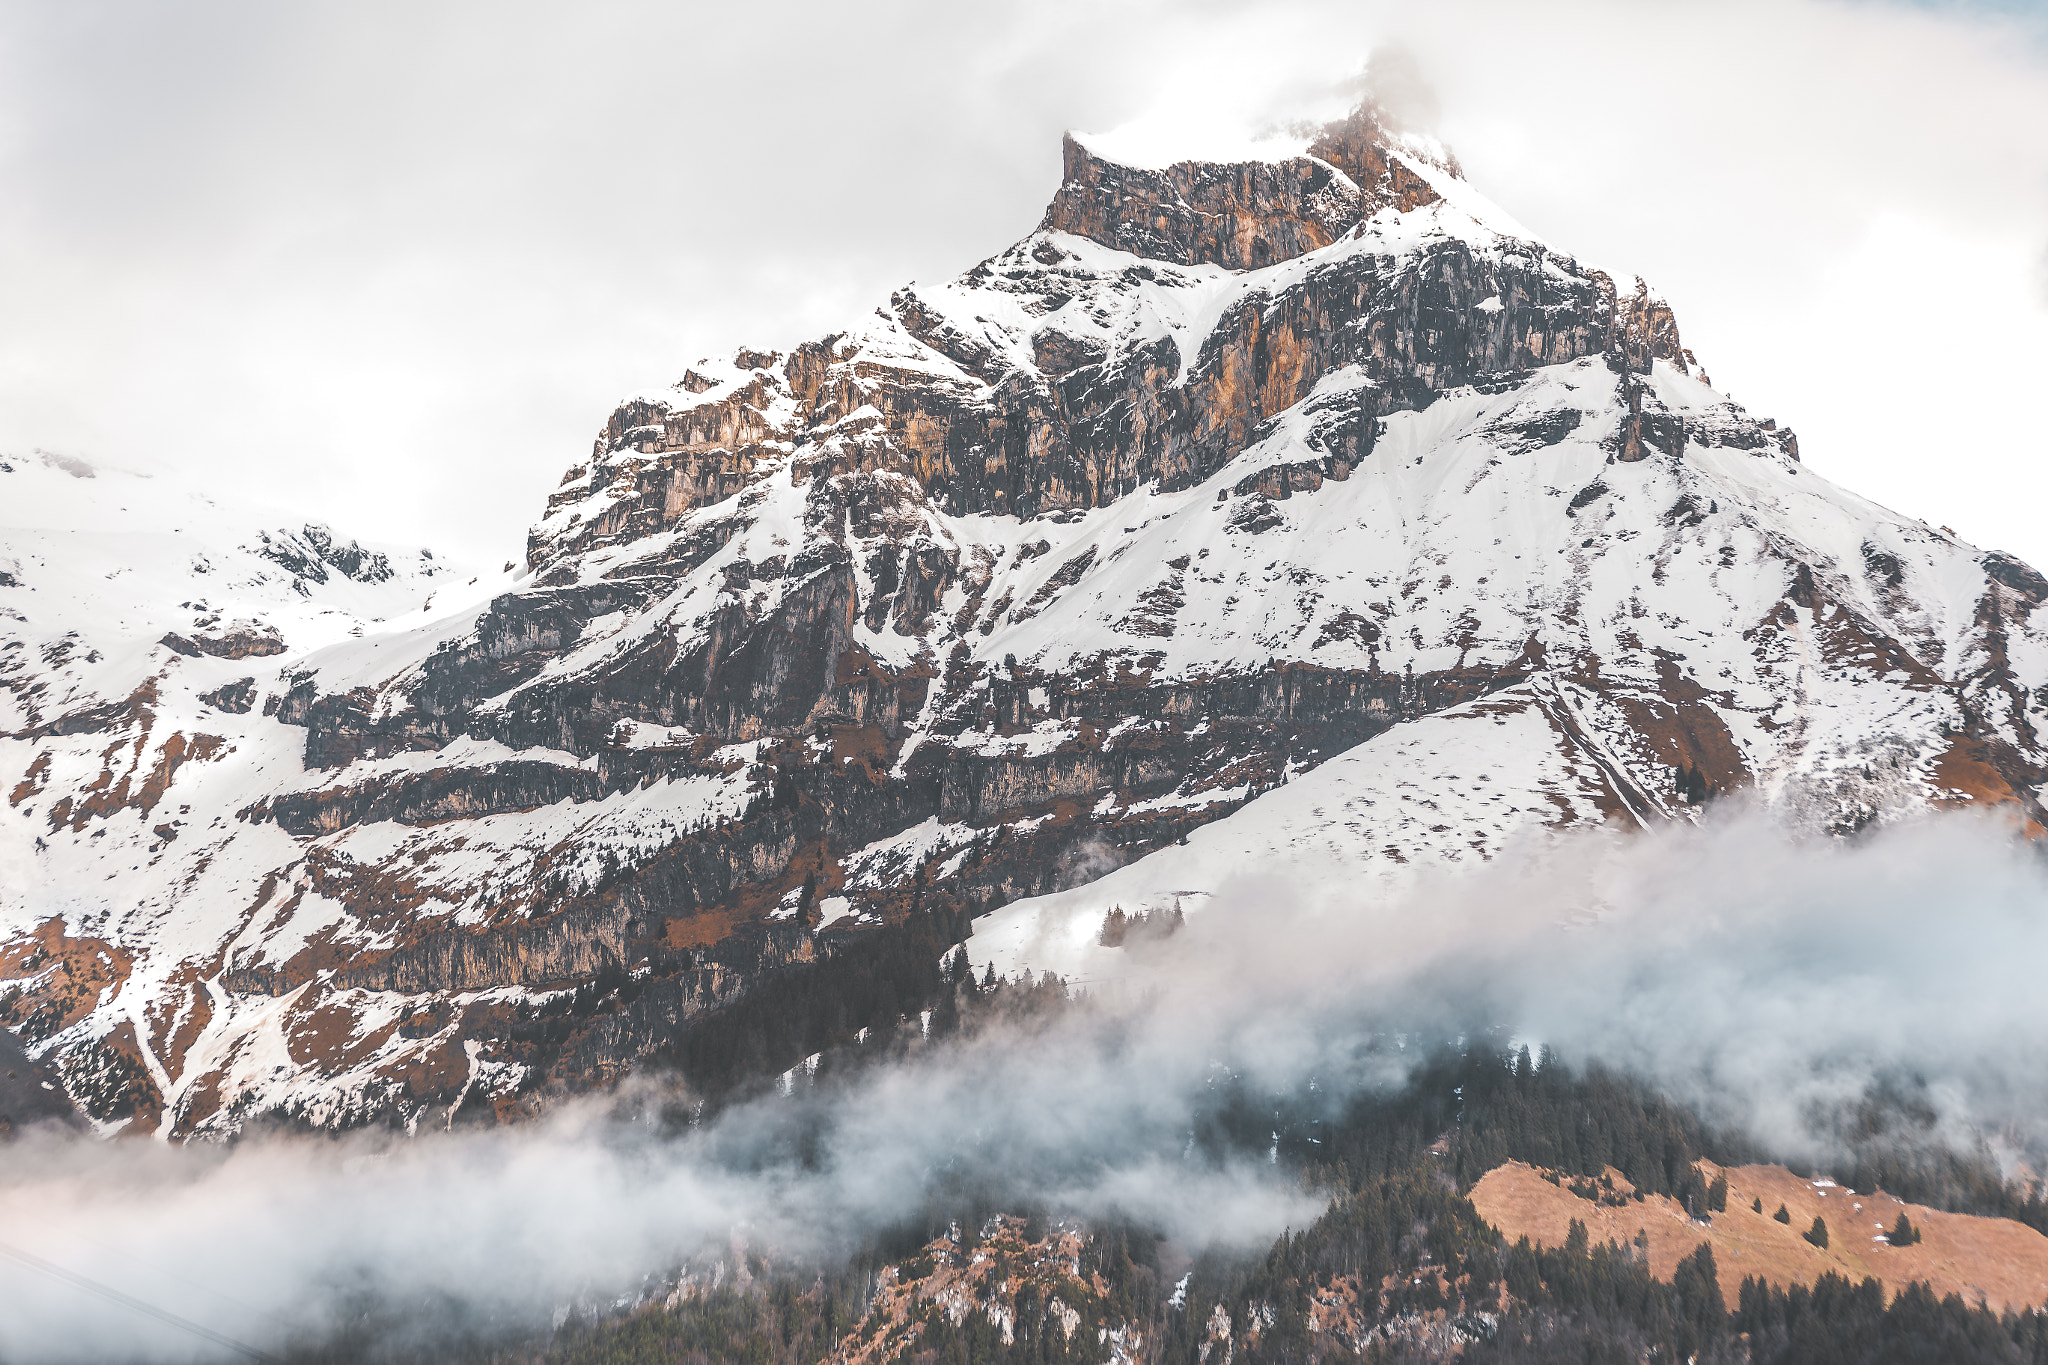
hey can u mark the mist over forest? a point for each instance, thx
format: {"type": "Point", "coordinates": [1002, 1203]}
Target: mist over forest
{"type": "Point", "coordinates": [1780, 998]}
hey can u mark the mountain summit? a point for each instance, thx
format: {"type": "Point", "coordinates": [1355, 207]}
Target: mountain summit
{"type": "Point", "coordinates": [1239, 509]}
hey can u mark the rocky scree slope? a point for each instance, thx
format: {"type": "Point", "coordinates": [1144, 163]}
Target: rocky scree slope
{"type": "Point", "coordinates": [1091, 559]}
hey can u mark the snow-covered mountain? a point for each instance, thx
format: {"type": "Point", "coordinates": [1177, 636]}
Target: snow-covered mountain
{"type": "Point", "coordinates": [103, 564]}
{"type": "Point", "coordinates": [1303, 502]}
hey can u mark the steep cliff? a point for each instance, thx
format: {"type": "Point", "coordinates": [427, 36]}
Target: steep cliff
{"type": "Point", "coordinates": [1221, 473]}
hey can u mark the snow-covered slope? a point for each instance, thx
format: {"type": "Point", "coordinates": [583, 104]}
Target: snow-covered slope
{"type": "Point", "coordinates": [1302, 503]}
{"type": "Point", "coordinates": [141, 624]}
{"type": "Point", "coordinates": [101, 565]}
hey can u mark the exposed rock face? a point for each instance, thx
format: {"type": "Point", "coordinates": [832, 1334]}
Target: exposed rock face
{"type": "Point", "coordinates": [1221, 473]}
{"type": "Point", "coordinates": [30, 1093]}
{"type": "Point", "coordinates": [1005, 434]}
{"type": "Point", "coordinates": [1241, 217]}
{"type": "Point", "coordinates": [311, 552]}
{"type": "Point", "coordinates": [1246, 215]}
{"type": "Point", "coordinates": [237, 640]}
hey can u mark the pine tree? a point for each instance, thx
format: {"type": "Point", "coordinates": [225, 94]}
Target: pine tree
{"type": "Point", "coordinates": [1903, 1233]}
{"type": "Point", "coordinates": [1717, 1194]}
{"type": "Point", "coordinates": [1818, 1233]}
{"type": "Point", "coordinates": [1757, 1204]}
{"type": "Point", "coordinates": [1783, 1215]}
{"type": "Point", "coordinates": [1697, 1286]}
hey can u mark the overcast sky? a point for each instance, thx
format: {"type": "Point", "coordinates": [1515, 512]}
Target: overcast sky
{"type": "Point", "coordinates": [391, 264]}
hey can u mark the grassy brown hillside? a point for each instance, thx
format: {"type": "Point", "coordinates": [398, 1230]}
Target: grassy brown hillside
{"type": "Point", "coordinates": [1996, 1261]}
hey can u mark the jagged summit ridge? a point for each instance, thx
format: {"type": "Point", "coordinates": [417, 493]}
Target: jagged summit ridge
{"type": "Point", "coordinates": [1123, 371]}
{"type": "Point", "coordinates": [1247, 215]}
{"type": "Point", "coordinates": [1090, 558]}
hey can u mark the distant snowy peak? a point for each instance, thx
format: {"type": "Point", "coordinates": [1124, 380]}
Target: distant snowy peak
{"type": "Point", "coordinates": [108, 577]}
{"type": "Point", "coordinates": [312, 552]}
{"type": "Point", "coordinates": [49, 492]}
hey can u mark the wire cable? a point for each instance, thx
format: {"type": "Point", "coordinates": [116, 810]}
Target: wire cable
{"type": "Point", "coordinates": [132, 1304]}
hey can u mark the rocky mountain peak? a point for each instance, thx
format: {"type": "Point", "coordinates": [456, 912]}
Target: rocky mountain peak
{"type": "Point", "coordinates": [1371, 147]}
{"type": "Point", "coordinates": [1246, 215]}
{"type": "Point", "coordinates": [1238, 510]}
